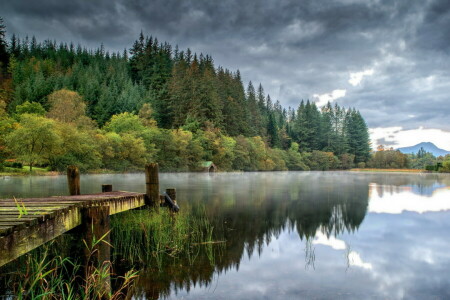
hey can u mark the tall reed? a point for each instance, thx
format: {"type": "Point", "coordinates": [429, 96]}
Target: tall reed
{"type": "Point", "coordinates": [143, 237]}
{"type": "Point", "coordinates": [44, 274]}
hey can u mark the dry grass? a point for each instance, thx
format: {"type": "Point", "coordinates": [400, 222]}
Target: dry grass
{"type": "Point", "coordinates": [388, 170]}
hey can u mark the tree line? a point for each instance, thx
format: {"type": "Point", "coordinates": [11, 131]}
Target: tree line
{"type": "Point", "coordinates": [170, 106]}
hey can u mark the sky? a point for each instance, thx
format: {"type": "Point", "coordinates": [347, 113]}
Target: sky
{"type": "Point", "coordinates": [388, 59]}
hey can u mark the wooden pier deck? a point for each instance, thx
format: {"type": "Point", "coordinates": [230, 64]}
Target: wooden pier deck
{"type": "Point", "coordinates": [26, 224]}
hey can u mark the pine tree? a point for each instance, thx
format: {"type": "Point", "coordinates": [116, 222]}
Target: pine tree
{"type": "Point", "coordinates": [357, 135]}
{"type": "Point", "coordinates": [4, 56]}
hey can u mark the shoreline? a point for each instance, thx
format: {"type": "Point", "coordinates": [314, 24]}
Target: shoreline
{"type": "Point", "coordinates": [104, 171]}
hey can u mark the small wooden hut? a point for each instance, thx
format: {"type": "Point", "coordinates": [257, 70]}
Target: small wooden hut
{"type": "Point", "coordinates": [208, 166]}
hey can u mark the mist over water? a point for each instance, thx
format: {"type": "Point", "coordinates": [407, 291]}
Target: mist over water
{"type": "Point", "coordinates": [294, 235]}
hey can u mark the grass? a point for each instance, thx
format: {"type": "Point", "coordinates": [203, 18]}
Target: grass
{"type": "Point", "coordinates": [388, 170]}
{"type": "Point", "coordinates": [25, 170]}
{"type": "Point", "coordinates": [21, 208]}
{"type": "Point", "coordinates": [144, 237]}
{"type": "Point", "coordinates": [45, 274]}
{"type": "Point", "coordinates": [140, 239]}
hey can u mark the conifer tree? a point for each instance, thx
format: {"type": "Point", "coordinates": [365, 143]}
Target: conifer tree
{"type": "Point", "coordinates": [4, 56]}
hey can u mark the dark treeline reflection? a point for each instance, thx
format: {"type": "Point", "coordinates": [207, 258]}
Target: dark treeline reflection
{"type": "Point", "coordinates": [248, 211]}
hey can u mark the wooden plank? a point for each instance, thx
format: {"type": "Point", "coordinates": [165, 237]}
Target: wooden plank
{"type": "Point", "coordinates": [5, 230]}
{"type": "Point", "coordinates": [12, 223]}
{"type": "Point", "coordinates": [48, 218]}
{"type": "Point", "coordinates": [35, 205]}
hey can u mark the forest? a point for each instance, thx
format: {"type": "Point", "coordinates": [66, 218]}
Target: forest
{"type": "Point", "coordinates": [62, 104]}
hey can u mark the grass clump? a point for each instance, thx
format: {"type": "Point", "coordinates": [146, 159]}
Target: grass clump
{"type": "Point", "coordinates": [144, 237]}
{"type": "Point", "coordinates": [43, 274]}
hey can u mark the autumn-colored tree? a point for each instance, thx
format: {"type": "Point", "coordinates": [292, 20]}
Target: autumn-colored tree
{"type": "Point", "coordinates": [66, 106]}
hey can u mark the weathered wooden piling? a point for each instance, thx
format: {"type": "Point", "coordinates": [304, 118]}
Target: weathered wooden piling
{"type": "Point", "coordinates": [171, 202]}
{"type": "Point", "coordinates": [73, 180]}
{"type": "Point", "coordinates": [152, 184]}
{"type": "Point", "coordinates": [106, 188]}
{"type": "Point", "coordinates": [95, 224]}
{"type": "Point", "coordinates": [172, 194]}
{"type": "Point", "coordinates": [95, 228]}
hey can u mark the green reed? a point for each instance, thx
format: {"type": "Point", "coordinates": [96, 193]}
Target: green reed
{"type": "Point", "coordinates": [144, 237]}
{"type": "Point", "coordinates": [44, 274]}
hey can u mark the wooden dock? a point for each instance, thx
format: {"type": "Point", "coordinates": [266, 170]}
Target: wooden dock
{"type": "Point", "coordinates": [26, 224]}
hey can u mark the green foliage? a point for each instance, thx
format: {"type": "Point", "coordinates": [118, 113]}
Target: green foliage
{"type": "Point", "coordinates": [389, 159]}
{"type": "Point", "coordinates": [4, 55]}
{"type": "Point", "coordinates": [35, 139]}
{"type": "Point", "coordinates": [30, 108]}
{"type": "Point", "coordinates": [445, 165]}
{"type": "Point", "coordinates": [78, 147]}
{"type": "Point", "coordinates": [323, 161]}
{"type": "Point", "coordinates": [294, 160]}
{"type": "Point", "coordinates": [170, 107]}
{"type": "Point", "coordinates": [422, 159]}
{"type": "Point", "coordinates": [122, 151]}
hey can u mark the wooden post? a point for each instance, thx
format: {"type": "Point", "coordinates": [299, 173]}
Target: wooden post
{"type": "Point", "coordinates": [152, 184]}
{"type": "Point", "coordinates": [106, 188]}
{"type": "Point", "coordinates": [73, 179]}
{"type": "Point", "coordinates": [171, 199]}
{"type": "Point", "coordinates": [172, 194]}
{"type": "Point", "coordinates": [95, 226]}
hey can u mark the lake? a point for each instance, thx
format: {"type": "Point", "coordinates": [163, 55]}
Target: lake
{"type": "Point", "coordinates": [297, 235]}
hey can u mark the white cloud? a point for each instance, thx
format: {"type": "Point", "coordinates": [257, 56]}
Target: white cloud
{"type": "Point", "coordinates": [354, 259]}
{"type": "Point", "coordinates": [356, 78]}
{"type": "Point", "coordinates": [322, 239]}
{"type": "Point", "coordinates": [406, 138]}
{"type": "Point", "coordinates": [329, 97]}
{"type": "Point", "coordinates": [392, 201]}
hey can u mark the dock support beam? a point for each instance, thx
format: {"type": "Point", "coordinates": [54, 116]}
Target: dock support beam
{"type": "Point", "coordinates": [73, 179]}
{"type": "Point", "coordinates": [106, 188]}
{"type": "Point", "coordinates": [152, 184]}
{"type": "Point", "coordinates": [95, 229]}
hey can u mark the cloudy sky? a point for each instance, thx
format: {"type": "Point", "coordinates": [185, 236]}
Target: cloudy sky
{"type": "Point", "coordinates": [388, 59]}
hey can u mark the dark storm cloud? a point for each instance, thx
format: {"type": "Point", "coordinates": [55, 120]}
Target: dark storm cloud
{"type": "Point", "coordinates": [296, 49]}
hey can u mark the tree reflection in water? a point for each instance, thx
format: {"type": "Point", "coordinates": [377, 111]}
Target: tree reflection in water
{"type": "Point", "coordinates": [250, 211]}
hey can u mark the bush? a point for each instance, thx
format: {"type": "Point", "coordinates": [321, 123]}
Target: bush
{"type": "Point", "coordinates": [13, 164]}
{"type": "Point", "coordinates": [361, 165]}
{"type": "Point", "coordinates": [17, 165]}
{"type": "Point", "coordinates": [430, 168]}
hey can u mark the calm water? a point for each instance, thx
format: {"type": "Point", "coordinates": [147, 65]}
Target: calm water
{"type": "Point", "coordinates": [299, 235]}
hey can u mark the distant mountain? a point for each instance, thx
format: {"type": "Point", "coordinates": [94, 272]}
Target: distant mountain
{"type": "Point", "coordinates": [429, 147]}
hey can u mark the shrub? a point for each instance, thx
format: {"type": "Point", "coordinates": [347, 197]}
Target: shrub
{"type": "Point", "coordinates": [430, 168]}
{"type": "Point", "coordinates": [17, 165]}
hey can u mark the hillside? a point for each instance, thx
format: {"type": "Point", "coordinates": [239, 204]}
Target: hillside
{"type": "Point", "coordinates": [427, 146]}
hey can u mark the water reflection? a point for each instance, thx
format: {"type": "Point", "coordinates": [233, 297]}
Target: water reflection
{"type": "Point", "coordinates": [252, 211]}
{"type": "Point", "coordinates": [304, 235]}
{"type": "Point", "coordinates": [397, 199]}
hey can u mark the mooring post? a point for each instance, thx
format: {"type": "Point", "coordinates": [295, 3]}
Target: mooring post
{"type": "Point", "coordinates": [106, 188]}
{"type": "Point", "coordinates": [172, 194]}
{"type": "Point", "coordinates": [95, 229]}
{"type": "Point", "coordinates": [152, 184]}
{"type": "Point", "coordinates": [73, 179]}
